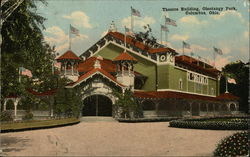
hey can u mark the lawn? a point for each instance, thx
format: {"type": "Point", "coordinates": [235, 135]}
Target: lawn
{"type": "Point", "coordinates": [12, 126]}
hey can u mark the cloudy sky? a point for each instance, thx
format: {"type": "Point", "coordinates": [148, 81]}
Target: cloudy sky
{"type": "Point", "coordinates": [228, 31]}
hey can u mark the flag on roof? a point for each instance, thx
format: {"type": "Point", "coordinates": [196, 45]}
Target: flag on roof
{"type": "Point", "coordinates": [129, 32]}
{"type": "Point", "coordinates": [192, 54]}
{"type": "Point", "coordinates": [164, 28]}
{"type": "Point", "coordinates": [231, 80]}
{"type": "Point", "coordinates": [170, 21]}
{"type": "Point", "coordinates": [186, 45]}
{"type": "Point", "coordinates": [218, 51]}
{"type": "Point", "coordinates": [74, 30]}
{"type": "Point", "coordinates": [135, 12]}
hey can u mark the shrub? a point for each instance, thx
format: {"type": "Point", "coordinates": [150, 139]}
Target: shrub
{"type": "Point", "coordinates": [153, 119]}
{"type": "Point", "coordinates": [235, 145]}
{"type": "Point", "coordinates": [211, 123]}
{"type": "Point", "coordinates": [6, 116]}
{"type": "Point", "coordinates": [28, 116]}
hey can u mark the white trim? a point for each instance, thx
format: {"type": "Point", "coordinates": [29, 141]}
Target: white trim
{"type": "Point", "coordinates": [172, 90]}
{"type": "Point", "coordinates": [194, 72]}
{"type": "Point", "coordinates": [97, 72]}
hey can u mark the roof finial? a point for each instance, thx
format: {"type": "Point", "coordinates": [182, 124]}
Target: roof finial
{"type": "Point", "coordinates": [97, 64]}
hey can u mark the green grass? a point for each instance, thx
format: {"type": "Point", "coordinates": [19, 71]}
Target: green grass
{"type": "Point", "coordinates": [37, 124]}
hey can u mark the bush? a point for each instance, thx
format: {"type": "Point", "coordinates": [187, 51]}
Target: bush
{"type": "Point", "coordinates": [153, 119]}
{"type": "Point", "coordinates": [211, 123]}
{"type": "Point", "coordinates": [28, 116]}
{"type": "Point", "coordinates": [235, 145]}
{"type": "Point", "coordinates": [6, 116]}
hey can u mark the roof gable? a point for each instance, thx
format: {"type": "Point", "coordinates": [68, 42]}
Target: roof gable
{"type": "Point", "coordinates": [125, 57]}
{"type": "Point", "coordinates": [93, 72]}
{"type": "Point", "coordinates": [69, 55]}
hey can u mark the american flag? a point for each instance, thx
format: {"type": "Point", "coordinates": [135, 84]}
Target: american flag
{"type": "Point", "coordinates": [231, 80]}
{"type": "Point", "coordinates": [135, 12]}
{"type": "Point", "coordinates": [164, 28]}
{"type": "Point", "coordinates": [25, 72]}
{"type": "Point", "coordinates": [170, 22]}
{"type": "Point", "coordinates": [186, 45]}
{"type": "Point", "coordinates": [74, 30]}
{"type": "Point", "coordinates": [217, 50]}
{"type": "Point", "coordinates": [128, 31]}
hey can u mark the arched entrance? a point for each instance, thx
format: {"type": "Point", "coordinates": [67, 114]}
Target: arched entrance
{"type": "Point", "coordinates": [97, 105]}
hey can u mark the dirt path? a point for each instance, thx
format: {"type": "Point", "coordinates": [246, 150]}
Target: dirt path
{"type": "Point", "coordinates": [113, 139]}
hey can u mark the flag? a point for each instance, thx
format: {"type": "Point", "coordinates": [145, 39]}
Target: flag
{"type": "Point", "coordinates": [231, 80]}
{"type": "Point", "coordinates": [135, 12]}
{"type": "Point", "coordinates": [186, 45]}
{"type": "Point", "coordinates": [74, 30]}
{"type": "Point", "coordinates": [218, 51]}
{"type": "Point", "coordinates": [192, 54]}
{"type": "Point", "coordinates": [170, 21]}
{"type": "Point", "coordinates": [164, 28]}
{"type": "Point", "coordinates": [25, 72]}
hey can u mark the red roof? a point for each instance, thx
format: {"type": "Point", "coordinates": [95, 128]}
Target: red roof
{"type": "Point", "coordinates": [93, 71]}
{"type": "Point", "coordinates": [189, 62]}
{"type": "Point", "coordinates": [45, 93]}
{"type": "Point", "coordinates": [88, 65]}
{"type": "Point", "coordinates": [229, 96]}
{"type": "Point", "coordinates": [139, 44]}
{"type": "Point", "coordinates": [69, 55]}
{"type": "Point", "coordinates": [171, 94]}
{"type": "Point", "coordinates": [125, 57]}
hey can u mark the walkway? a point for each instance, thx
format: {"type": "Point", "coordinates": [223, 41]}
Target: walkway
{"type": "Point", "coordinates": [110, 138]}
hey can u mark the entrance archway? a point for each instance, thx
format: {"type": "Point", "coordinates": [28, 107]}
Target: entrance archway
{"type": "Point", "coordinates": [97, 105]}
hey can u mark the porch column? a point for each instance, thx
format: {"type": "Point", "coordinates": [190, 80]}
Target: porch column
{"type": "Point", "coordinates": [65, 68]}
{"type": "Point", "coordinates": [4, 105]}
{"type": "Point", "coordinates": [15, 106]}
{"type": "Point", "coordinates": [72, 68]}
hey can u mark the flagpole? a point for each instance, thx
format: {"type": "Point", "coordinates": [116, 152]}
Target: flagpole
{"type": "Point", "coordinates": [182, 50]}
{"type": "Point", "coordinates": [161, 34]}
{"type": "Point", "coordinates": [69, 38]}
{"type": "Point", "coordinates": [166, 35]}
{"type": "Point", "coordinates": [226, 86]}
{"type": "Point", "coordinates": [214, 59]}
{"type": "Point", "coordinates": [131, 20]}
{"type": "Point", "coordinates": [125, 43]}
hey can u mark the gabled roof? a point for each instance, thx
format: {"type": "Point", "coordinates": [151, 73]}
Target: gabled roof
{"type": "Point", "coordinates": [227, 96]}
{"type": "Point", "coordinates": [139, 44]}
{"type": "Point", "coordinates": [171, 94]}
{"type": "Point", "coordinates": [93, 72]}
{"type": "Point", "coordinates": [68, 55]}
{"type": "Point", "coordinates": [125, 57]}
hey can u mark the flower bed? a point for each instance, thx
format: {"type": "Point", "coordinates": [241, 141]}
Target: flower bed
{"type": "Point", "coordinates": [235, 145]}
{"type": "Point", "coordinates": [212, 123]}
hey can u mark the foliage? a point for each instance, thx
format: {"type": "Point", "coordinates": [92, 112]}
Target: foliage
{"type": "Point", "coordinates": [128, 104]}
{"type": "Point", "coordinates": [147, 37]}
{"type": "Point", "coordinates": [67, 102]}
{"type": "Point", "coordinates": [28, 116]}
{"type": "Point", "coordinates": [234, 145]}
{"type": "Point", "coordinates": [23, 45]}
{"type": "Point", "coordinates": [153, 119]}
{"type": "Point", "coordinates": [240, 72]}
{"type": "Point", "coordinates": [6, 116]}
{"type": "Point", "coordinates": [213, 124]}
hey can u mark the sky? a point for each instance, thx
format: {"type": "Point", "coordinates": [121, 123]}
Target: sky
{"type": "Point", "coordinates": [228, 30]}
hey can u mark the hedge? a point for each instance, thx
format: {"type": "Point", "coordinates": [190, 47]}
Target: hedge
{"type": "Point", "coordinates": [234, 145]}
{"type": "Point", "coordinates": [153, 119]}
{"type": "Point", "coordinates": [213, 125]}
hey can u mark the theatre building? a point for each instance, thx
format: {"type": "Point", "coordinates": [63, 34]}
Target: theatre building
{"type": "Point", "coordinates": [165, 83]}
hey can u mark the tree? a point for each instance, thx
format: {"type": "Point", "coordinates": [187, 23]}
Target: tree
{"type": "Point", "coordinates": [128, 104]}
{"type": "Point", "coordinates": [240, 72]}
{"type": "Point", "coordinates": [23, 45]}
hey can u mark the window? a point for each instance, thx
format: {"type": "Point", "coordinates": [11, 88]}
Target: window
{"type": "Point", "coordinates": [180, 83]}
